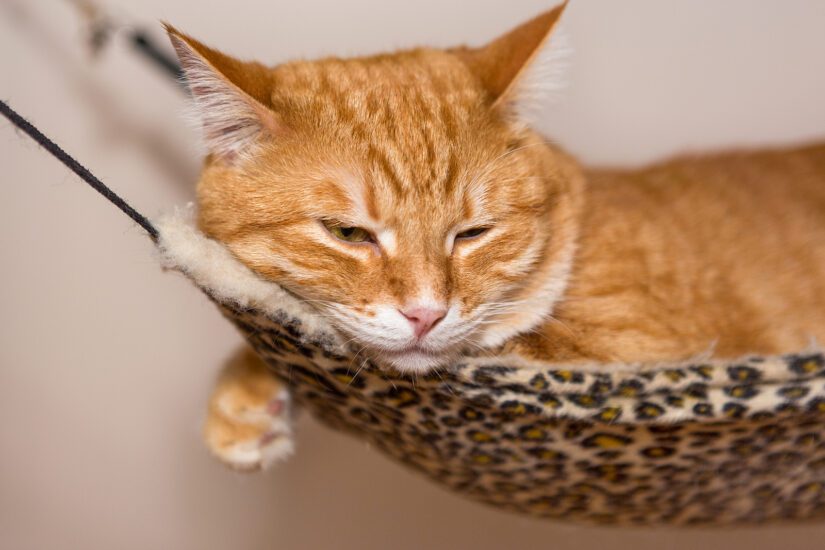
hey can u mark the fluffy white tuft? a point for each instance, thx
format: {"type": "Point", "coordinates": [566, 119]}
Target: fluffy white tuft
{"type": "Point", "coordinates": [545, 78]}
{"type": "Point", "coordinates": [212, 267]}
{"type": "Point", "coordinates": [224, 114]}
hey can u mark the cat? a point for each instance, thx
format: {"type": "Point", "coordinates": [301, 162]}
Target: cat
{"type": "Point", "coordinates": [406, 197]}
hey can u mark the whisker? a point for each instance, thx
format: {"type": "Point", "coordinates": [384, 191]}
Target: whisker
{"type": "Point", "coordinates": [449, 388]}
{"type": "Point", "coordinates": [357, 372]}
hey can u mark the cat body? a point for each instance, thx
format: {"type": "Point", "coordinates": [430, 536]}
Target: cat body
{"type": "Point", "coordinates": [407, 199]}
{"type": "Point", "coordinates": [719, 255]}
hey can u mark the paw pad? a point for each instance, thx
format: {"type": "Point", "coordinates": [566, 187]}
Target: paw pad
{"type": "Point", "coordinates": [254, 437]}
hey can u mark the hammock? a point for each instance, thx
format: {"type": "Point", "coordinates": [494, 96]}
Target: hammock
{"type": "Point", "coordinates": [705, 442]}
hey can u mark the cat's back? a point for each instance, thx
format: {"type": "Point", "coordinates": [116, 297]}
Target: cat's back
{"type": "Point", "coordinates": [769, 183]}
{"type": "Point", "coordinates": [723, 252]}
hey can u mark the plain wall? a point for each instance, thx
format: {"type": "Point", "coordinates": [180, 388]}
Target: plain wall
{"type": "Point", "coordinates": [106, 361]}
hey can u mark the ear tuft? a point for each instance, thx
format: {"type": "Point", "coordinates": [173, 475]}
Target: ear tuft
{"type": "Point", "coordinates": [229, 98]}
{"type": "Point", "coordinates": [544, 79]}
{"type": "Point", "coordinates": [523, 65]}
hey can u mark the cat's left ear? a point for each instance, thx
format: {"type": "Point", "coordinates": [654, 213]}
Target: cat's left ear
{"type": "Point", "coordinates": [521, 66]}
{"type": "Point", "coordinates": [231, 98]}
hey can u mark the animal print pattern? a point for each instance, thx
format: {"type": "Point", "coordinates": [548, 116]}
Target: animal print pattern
{"type": "Point", "coordinates": [698, 443]}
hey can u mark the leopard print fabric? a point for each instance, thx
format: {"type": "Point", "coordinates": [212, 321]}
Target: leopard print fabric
{"type": "Point", "coordinates": [703, 443]}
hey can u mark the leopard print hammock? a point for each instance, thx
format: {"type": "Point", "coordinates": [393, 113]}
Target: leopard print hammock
{"type": "Point", "coordinates": [710, 442]}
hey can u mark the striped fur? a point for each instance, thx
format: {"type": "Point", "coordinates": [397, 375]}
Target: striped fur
{"type": "Point", "coordinates": [414, 147]}
{"type": "Point", "coordinates": [419, 146]}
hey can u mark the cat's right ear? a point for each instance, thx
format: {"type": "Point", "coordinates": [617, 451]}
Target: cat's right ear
{"type": "Point", "coordinates": [231, 98]}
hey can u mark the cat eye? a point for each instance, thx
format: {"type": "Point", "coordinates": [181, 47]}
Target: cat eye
{"type": "Point", "coordinates": [347, 233]}
{"type": "Point", "coordinates": [470, 233]}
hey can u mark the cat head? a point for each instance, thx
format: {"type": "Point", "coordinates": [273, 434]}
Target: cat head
{"type": "Point", "coordinates": [402, 195]}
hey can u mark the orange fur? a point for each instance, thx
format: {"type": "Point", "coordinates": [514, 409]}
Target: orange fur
{"type": "Point", "coordinates": [247, 424]}
{"type": "Point", "coordinates": [724, 253]}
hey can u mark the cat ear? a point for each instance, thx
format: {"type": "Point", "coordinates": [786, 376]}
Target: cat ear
{"type": "Point", "coordinates": [231, 98]}
{"type": "Point", "coordinates": [522, 65]}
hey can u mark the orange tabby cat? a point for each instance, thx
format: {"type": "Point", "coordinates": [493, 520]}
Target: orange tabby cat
{"type": "Point", "coordinates": [407, 198]}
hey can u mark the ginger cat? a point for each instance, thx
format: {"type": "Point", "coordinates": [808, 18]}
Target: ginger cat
{"type": "Point", "coordinates": [406, 197]}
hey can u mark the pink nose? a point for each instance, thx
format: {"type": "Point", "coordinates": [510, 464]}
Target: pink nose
{"type": "Point", "coordinates": [423, 319]}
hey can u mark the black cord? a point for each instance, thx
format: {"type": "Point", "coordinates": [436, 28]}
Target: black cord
{"type": "Point", "coordinates": [77, 168]}
{"type": "Point", "coordinates": [146, 46]}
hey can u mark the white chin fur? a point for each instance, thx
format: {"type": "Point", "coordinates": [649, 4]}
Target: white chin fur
{"type": "Point", "coordinates": [414, 362]}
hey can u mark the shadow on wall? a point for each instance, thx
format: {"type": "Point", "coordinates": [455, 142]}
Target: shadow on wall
{"type": "Point", "coordinates": [115, 122]}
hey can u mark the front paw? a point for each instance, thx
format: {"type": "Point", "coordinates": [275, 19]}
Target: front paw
{"type": "Point", "coordinates": [249, 430]}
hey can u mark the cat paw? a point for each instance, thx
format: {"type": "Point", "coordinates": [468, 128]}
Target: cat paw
{"type": "Point", "coordinates": [247, 432]}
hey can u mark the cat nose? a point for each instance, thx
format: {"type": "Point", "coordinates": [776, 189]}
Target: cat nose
{"type": "Point", "coordinates": [423, 319]}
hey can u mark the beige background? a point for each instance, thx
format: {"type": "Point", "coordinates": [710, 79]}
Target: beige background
{"type": "Point", "coordinates": [105, 362]}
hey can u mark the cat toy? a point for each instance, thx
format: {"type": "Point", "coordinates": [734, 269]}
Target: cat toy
{"type": "Point", "coordinates": [711, 442]}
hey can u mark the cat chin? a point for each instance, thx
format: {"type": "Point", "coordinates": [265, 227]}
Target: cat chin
{"type": "Point", "coordinates": [413, 362]}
